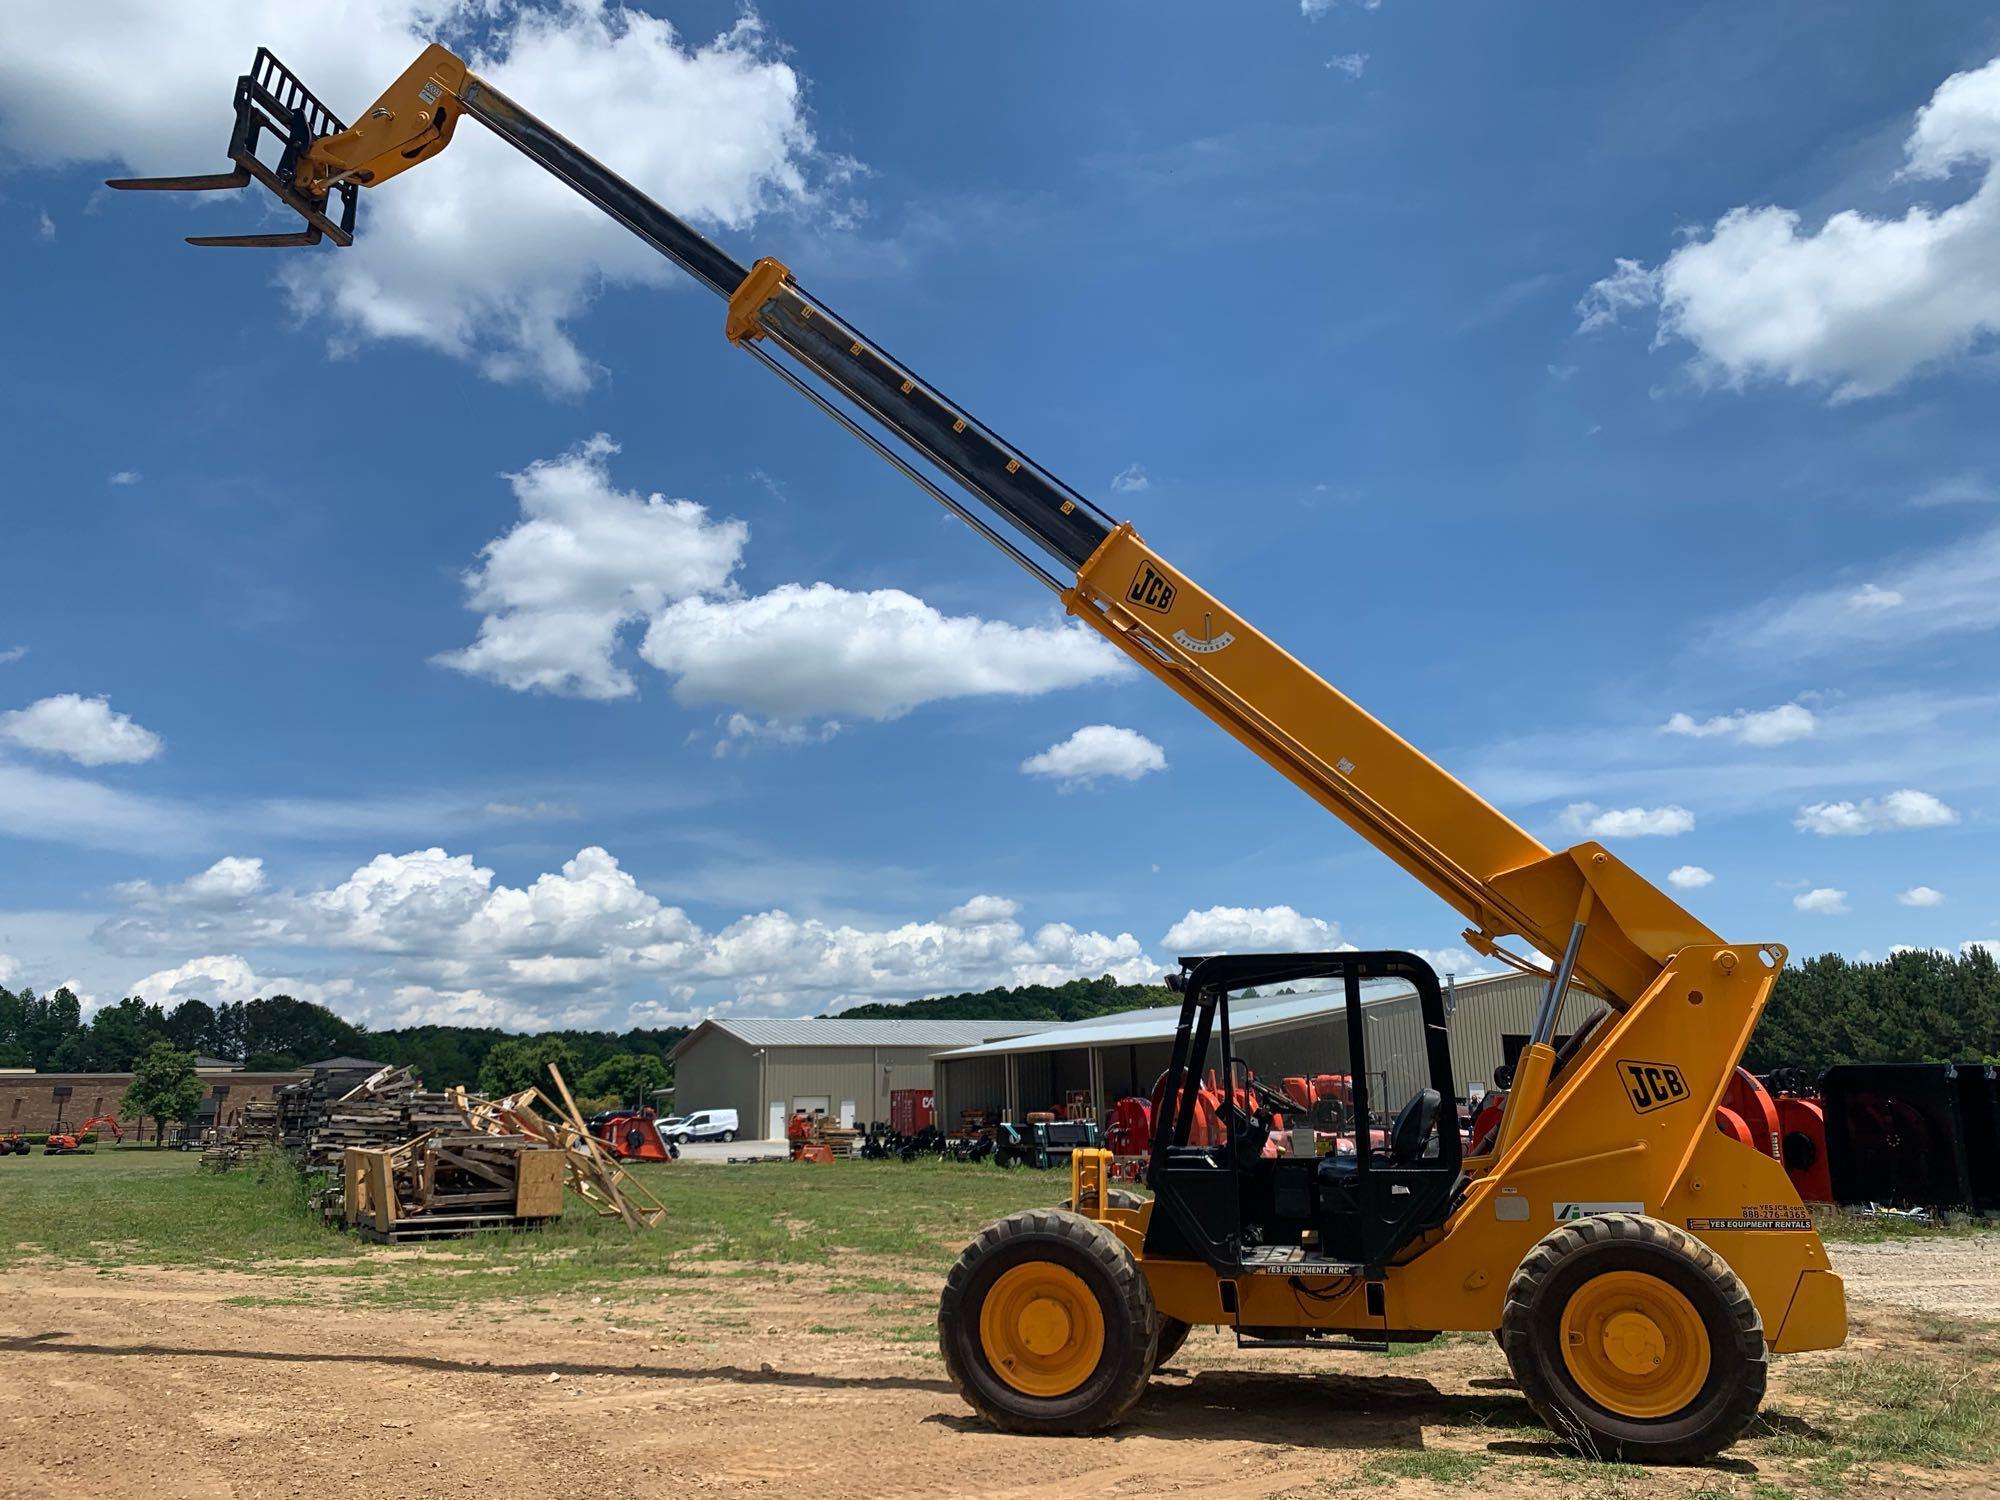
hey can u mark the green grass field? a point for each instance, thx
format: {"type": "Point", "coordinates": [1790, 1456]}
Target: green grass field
{"type": "Point", "coordinates": [140, 1207]}
{"type": "Point", "coordinates": [878, 1237]}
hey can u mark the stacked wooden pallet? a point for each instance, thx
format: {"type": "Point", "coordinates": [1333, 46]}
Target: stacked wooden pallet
{"type": "Point", "coordinates": [229, 1146]}
{"type": "Point", "coordinates": [443, 1185]}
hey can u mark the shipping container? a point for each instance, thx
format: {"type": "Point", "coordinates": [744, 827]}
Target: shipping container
{"type": "Point", "coordinates": [911, 1110]}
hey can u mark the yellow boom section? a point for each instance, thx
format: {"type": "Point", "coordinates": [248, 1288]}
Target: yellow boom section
{"type": "Point", "coordinates": [1499, 877]}
{"type": "Point", "coordinates": [1616, 931]}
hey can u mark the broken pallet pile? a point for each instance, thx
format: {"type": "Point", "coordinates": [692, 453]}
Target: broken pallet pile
{"type": "Point", "coordinates": [229, 1146]}
{"type": "Point", "coordinates": [445, 1184]}
{"type": "Point", "coordinates": [473, 1164]}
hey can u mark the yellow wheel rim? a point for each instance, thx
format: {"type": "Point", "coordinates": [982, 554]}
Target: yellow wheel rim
{"type": "Point", "coordinates": [1041, 1329]}
{"type": "Point", "coordinates": [1634, 1344]}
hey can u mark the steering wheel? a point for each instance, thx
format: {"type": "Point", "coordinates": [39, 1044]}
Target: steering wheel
{"type": "Point", "coordinates": [1416, 1125]}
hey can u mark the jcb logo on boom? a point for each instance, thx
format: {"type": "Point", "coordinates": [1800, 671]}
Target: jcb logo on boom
{"type": "Point", "coordinates": [1653, 1086]}
{"type": "Point", "coordinates": [1150, 591]}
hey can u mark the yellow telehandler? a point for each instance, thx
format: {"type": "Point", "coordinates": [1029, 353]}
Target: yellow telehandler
{"type": "Point", "coordinates": [1638, 1266]}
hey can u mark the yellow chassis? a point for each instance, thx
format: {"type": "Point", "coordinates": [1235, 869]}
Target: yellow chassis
{"type": "Point", "coordinates": [1609, 1139]}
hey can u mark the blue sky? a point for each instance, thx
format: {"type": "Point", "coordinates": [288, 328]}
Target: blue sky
{"type": "Point", "coordinates": [1603, 399]}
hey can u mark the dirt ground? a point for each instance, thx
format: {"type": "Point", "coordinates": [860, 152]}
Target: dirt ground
{"type": "Point", "coordinates": [150, 1384]}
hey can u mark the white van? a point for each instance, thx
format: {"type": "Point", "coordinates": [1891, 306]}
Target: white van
{"type": "Point", "coordinates": [704, 1125]}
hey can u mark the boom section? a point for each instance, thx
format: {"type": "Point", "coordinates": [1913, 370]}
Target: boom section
{"type": "Point", "coordinates": [1505, 883]}
{"type": "Point", "coordinates": [1616, 932]}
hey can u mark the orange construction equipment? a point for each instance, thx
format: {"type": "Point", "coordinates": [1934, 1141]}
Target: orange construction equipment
{"type": "Point", "coordinates": [633, 1135]}
{"type": "Point", "coordinates": [70, 1143]}
{"type": "Point", "coordinates": [1802, 1138]}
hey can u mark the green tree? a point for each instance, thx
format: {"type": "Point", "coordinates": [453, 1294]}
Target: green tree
{"type": "Point", "coordinates": [629, 1077]}
{"type": "Point", "coordinates": [522, 1062]}
{"type": "Point", "coordinates": [228, 1033]}
{"type": "Point", "coordinates": [47, 1024]}
{"type": "Point", "coordinates": [165, 1086]}
{"type": "Point", "coordinates": [284, 1032]}
{"type": "Point", "coordinates": [118, 1035]}
{"type": "Point", "coordinates": [191, 1027]}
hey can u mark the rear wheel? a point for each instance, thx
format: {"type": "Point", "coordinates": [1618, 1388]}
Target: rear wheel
{"type": "Point", "coordinates": [1047, 1325]}
{"type": "Point", "coordinates": [1113, 1198]}
{"type": "Point", "coordinates": [1633, 1340]}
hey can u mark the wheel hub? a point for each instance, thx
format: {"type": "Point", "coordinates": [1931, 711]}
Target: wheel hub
{"type": "Point", "coordinates": [1041, 1329]}
{"type": "Point", "coordinates": [1635, 1345]}
{"type": "Point", "coordinates": [1633, 1342]}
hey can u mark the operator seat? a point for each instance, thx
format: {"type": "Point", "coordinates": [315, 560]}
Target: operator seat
{"type": "Point", "coordinates": [1416, 1124]}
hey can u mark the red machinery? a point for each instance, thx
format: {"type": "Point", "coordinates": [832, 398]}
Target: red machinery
{"type": "Point", "coordinates": [71, 1143]}
{"type": "Point", "coordinates": [1748, 1114]}
{"type": "Point", "coordinates": [633, 1135]}
{"type": "Point", "coordinates": [802, 1131]}
{"type": "Point", "coordinates": [1802, 1139]}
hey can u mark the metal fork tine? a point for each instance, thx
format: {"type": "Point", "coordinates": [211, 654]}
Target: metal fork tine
{"type": "Point", "coordinates": [309, 236]}
{"type": "Point", "coordinates": [211, 182]}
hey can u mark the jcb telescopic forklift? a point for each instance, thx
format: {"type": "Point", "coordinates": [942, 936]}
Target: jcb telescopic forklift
{"type": "Point", "coordinates": [1638, 1266]}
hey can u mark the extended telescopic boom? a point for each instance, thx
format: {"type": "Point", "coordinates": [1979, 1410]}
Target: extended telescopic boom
{"type": "Point", "coordinates": [1616, 932]}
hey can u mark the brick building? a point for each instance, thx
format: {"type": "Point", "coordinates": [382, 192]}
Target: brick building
{"type": "Point", "coordinates": [35, 1103]}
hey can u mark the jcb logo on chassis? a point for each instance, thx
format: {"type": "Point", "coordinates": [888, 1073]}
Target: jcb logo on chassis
{"type": "Point", "coordinates": [1150, 591]}
{"type": "Point", "coordinates": [1653, 1086]}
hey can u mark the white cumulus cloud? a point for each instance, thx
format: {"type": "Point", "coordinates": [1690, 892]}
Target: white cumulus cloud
{"type": "Point", "coordinates": [478, 254]}
{"type": "Point", "coordinates": [226, 979]}
{"type": "Point", "coordinates": [586, 560]}
{"type": "Point", "coordinates": [1921, 895]}
{"type": "Point", "coordinates": [433, 935]}
{"type": "Point", "coordinates": [229, 881]}
{"type": "Point", "coordinates": [1689, 877]}
{"type": "Point", "coordinates": [1349, 64]}
{"type": "Point", "coordinates": [1592, 821]}
{"type": "Point", "coordinates": [1130, 480]}
{"type": "Point", "coordinates": [87, 730]}
{"type": "Point", "coordinates": [1252, 929]}
{"type": "Point", "coordinates": [1096, 752]}
{"type": "Point", "coordinates": [1758, 727]}
{"type": "Point", "coordinates": [803, 652]}
{"type": "Point", "coordinates": [1858, 304]}
{"type": "Point", "coordinates": [1899, 810]}
{"type": "Point", "coordinates": [1823, 901]}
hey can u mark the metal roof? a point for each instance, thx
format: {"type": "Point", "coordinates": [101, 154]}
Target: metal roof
{"type": "Point", "coordinates": [1157, 1025]}
{"type": "Point", "coordinates": [779, 1031]}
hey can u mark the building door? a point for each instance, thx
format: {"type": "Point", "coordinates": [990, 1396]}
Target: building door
{"type": "Point", "coordinates": [812, 1104]}
{"type": "Point", "coordinates": [847, 1114]}
{"type": "Point", "coordinates": [777, 1130]}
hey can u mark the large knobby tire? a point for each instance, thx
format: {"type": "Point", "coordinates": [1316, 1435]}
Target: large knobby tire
{"type": "Point", "coordinates": [1113, 1198]}
{"type": "Point", "coordinates": [1633, 1340]}
{"type": "Point", "coordinates": [1173, 1332]}
{"type": "Point", "coordinates": [1047, 1324]}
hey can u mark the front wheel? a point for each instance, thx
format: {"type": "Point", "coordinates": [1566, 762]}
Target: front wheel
{"type": "Point", "coordinates": [1047, 1324]}
{"type": "Point", "coordinates": [1633, 1340]}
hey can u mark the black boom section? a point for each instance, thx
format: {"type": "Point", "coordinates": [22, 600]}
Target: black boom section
{"type": "Point", "coordinates": [1051, 513]}
{"type": "Point", "coordinates": [547, 148]}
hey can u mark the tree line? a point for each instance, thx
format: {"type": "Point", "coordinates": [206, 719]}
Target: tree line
{"type": "Point", "coordinates": [1916, 1006]}
{"type": "Point", "coordinates": [48, 1033]}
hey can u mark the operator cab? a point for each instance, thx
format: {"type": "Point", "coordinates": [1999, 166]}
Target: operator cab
{"type": "Point", "coordinates": [1307, 1199]}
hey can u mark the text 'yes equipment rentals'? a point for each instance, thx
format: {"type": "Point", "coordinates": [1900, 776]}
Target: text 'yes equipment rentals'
{"type": "Point", "coordinates": [1639, 1265]}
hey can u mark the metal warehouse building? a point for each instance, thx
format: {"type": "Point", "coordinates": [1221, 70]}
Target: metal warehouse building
{"type": "Point", "coordinates": [765, 1069]}
{"type": "Point", "coordinates": [1115, 1056]}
